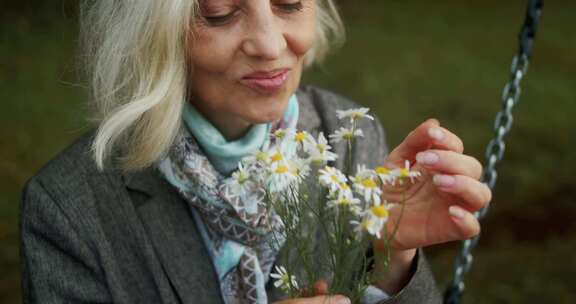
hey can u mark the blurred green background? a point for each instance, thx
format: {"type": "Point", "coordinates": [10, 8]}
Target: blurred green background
{"type": "Point", "coordinates": [408, 60]}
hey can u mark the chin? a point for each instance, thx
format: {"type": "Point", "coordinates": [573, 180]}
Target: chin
{"type": "Point", "coordinates": [273, 111]}
{"type": "Point", "coordinates": [267, 117]}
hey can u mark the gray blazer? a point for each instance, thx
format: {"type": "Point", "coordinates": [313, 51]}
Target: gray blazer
{"type": "Point", "coordinates": [111, 237]}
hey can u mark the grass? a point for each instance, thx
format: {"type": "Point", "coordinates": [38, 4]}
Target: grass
{"type": "Point", "coordinates": [41, 114]}
{"type": "Point", "coordinates": [407, 60]}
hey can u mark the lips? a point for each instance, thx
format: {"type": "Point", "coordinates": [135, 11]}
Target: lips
{"type": "Point", "coordinates": [266, 82]}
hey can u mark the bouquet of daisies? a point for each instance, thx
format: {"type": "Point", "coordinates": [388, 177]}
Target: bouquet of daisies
{"type": "Point", "coordinates": [329, 218]}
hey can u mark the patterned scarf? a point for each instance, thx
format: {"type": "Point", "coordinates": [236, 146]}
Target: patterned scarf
{"type": "Point", "coordinates": [237, 230]}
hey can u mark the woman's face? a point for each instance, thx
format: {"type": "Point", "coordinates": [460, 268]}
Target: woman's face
{"type": "Point", "coordinates": [247, 58]}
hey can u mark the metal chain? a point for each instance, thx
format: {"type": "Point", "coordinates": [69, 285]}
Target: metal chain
{"type": "Point", "coordinates": [497, 146]}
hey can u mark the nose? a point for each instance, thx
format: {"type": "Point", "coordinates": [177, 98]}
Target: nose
{"type": "Point", "coordinates": [264, 38]}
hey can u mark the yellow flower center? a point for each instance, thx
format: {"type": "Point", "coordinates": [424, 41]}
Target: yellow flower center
{"type": "Point", "coordinates": [368, 183]}
{"type": "Point", "coordinates": [348, 135]}
{"type": "Point", "coordinates": [280, 134]}
{"type": "Point", "coordinates": [382, 170]}
{"type": "Point", "coordinates": [380, 211]}
{"type": "Point", "coordinates": [334, 178]}
{"type": "Point", "coordinates": [261, 156]}
{"type": "Point", "coordinates": [344, 186]}
{"type": "Point", "coordinates": [365, 224]}
{"type": "Point", "coordinates": [242, 178]}
{"type": "Point", "coordinates": [276, 157]}
{"type": "Point", "coordinates": [281, 169]}
{"type": "Point", "coordinates": [296, 172]}
{"type": "Point", "coordinates": [404, 172]}
{"type": "Point", "coordinates": [300, 136]}
{"type": "Point", "coordinates": [344, 201]}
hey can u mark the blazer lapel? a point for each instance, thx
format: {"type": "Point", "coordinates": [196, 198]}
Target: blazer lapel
{"type": "Point", "coordinates": [171, 228]}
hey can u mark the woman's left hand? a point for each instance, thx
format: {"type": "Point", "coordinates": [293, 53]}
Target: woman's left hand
{"type": "Point", "coordinates": [439, 205]}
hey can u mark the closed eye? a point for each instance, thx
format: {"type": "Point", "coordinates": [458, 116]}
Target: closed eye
{"type": "Point", "coordinates": [224, 19]}
{"type": "Point", "coordinates": [290, 7]}
{"type": "Point", "coordinates": [221, 19]}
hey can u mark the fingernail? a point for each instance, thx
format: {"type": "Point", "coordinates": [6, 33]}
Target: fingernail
{"type": "Point", "coordinates": [443, 180]}
{"type": "Point", "coordinates": [427, 158]}
{"type": "Point", "coordinates": [456, 212]}
{"type": "Point", "coordinates": [343, 300]}
{"type": "Point", "coordinates": [436, 133]}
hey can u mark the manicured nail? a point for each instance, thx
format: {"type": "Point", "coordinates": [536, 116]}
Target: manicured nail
{"type": "Point", "coordinates": [427, 158]}
{"type": "Point", "coordinates": [343, 300]}
{"type": "Point", "coordinates": [436, 133]}
{"type": "Point", "coordinates": [443, 180]}
{"type": "Point", "coordinates": [456, 212]}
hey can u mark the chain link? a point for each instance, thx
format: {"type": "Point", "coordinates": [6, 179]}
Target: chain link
{"type": "Point", "coordinates": [496, 147]}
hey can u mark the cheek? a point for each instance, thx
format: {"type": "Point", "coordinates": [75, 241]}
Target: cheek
{"type": "Point", "coordinates": [300, 33]}
{"type": "Point", "coordinates": [209, 53]}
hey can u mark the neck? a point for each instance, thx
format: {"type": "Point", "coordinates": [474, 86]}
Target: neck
{"type": "Point", "coordinates": [232, 128]}
{"type": "Point", "coordinates": [223, 153]}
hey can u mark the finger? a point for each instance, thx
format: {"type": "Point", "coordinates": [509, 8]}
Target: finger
{"type": "Point", "coordinates": [466, 223]}
{"type": "Point", "coordinates": [337, 299]}
{"type": "Point", "coordinates": [320, 287]}
{"type": "Point", "coordinates": [475, 194]}
{"type": "Point", "coordinates": [450, 162]}
{"type": "Point", "coordinates": [417, 140]}
{"type": "Point", "coordinates": [445, 140]}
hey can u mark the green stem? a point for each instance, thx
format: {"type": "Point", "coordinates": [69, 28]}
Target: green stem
{"type": "Point", "coordinates": [403, 202]}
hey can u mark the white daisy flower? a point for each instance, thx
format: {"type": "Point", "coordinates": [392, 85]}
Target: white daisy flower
{"type": "Point", "coordinates": [343, 190]}
{"type": "Point", "coordinates": [380, 210]}
{"type": "Point", "coordinates": [300, 168]}
{"type": "Point", "coordinates": [256, 159]}
{"type": "Point", "coordinates": [345, 134]}
{"type": "Point", "coordinates": [281, 134]}
{"type": "Point", "coordinates": [276, 156]}
{"type": "Point", "coordinates": [365, 184]}
{"type": "Point", "coordinates": [281, 176]}
{"type": "Point", "coordinates": [404, 173]}
{"type": "Point", "coordinates": [331, 178]}
{"type": "Point", "coordinates": [363, 172]}
{"type": "Point", "coordinates": [284, 280]}
{"type": "Point", "coordinates": [385, 175]}
{"type": "Point", "coordinates": [374, 218]}
{"type": "Point", "coordinates": [354, 114]}
{"type": "Point", "coordinates": [346, 200]}
{"type": "Point", "coordinates": [303, 140]}
{"type": "Point", "coordinates": [240, 183]}
{"type": "Point", "coordinates": [257, 165]}
{"type": "Point", "coordinates": [368, 224]}
{"type": "Point", "coordinates": [320, 153]}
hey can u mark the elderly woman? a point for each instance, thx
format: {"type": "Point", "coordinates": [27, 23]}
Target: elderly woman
{"type": "Point", "coordinates": [205, 82]}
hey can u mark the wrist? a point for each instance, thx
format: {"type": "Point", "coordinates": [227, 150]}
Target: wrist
{"type": "Point", "coordinates": [402, 257]}
{"type": "Point", "coordinates": [392, 275]}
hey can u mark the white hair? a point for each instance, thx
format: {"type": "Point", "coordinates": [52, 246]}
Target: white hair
{"type": "Point", "coordinates": [134, 54]}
